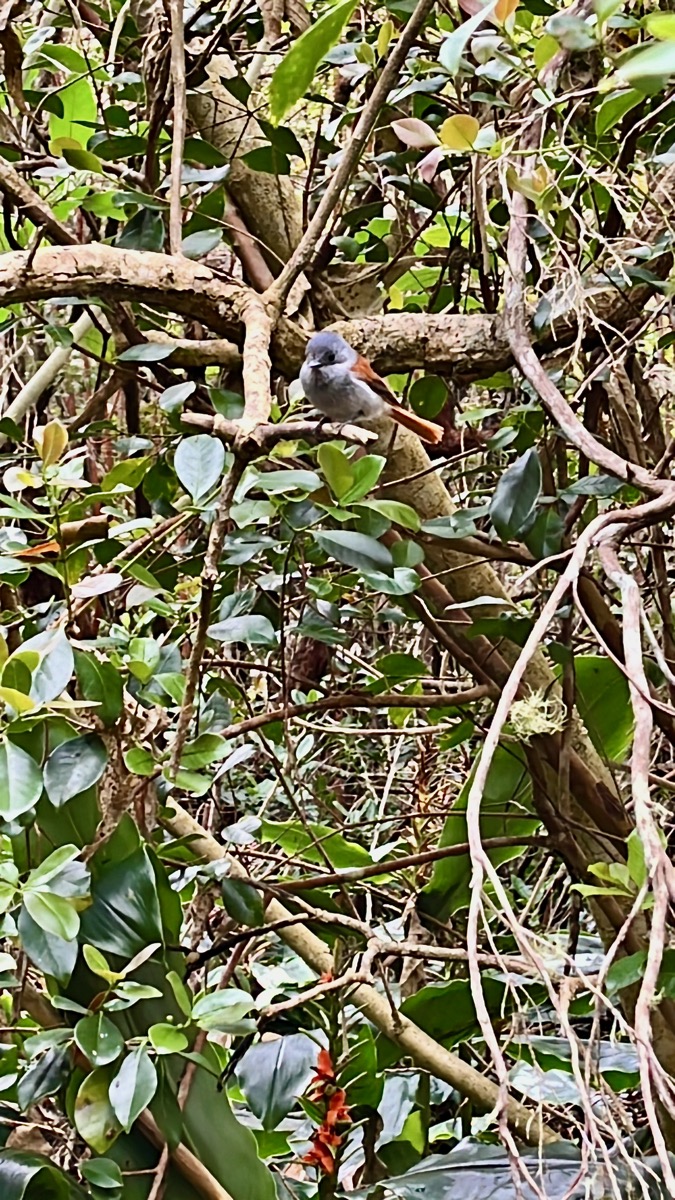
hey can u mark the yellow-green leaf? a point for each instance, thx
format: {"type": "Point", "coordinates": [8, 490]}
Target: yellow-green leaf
{"type": "Point", "coordinates": [384, 38]}
{"type": "Point", "coordinates": [16, 700]}
{"type": "Point", "coordinates": [459, 132]}
{"type": "Point", "coordinates": [51, 442]}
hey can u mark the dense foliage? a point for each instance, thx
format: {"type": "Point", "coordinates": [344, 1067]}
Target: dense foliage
{"type": "Point", "coordinates": [336, 779]}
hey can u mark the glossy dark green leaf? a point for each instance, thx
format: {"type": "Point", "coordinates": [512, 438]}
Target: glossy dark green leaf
{"type": "Point", "coordinates": [73, 767]}
{"type": "Point", "coordinates": [603, 700]}
{"type": "Point", "coordinates": [273, 1074]}
{"type": "Point", "coordinates": [504, 813]}
{"type": "Point", "coordinates": [99, 681]}
{"type": "Point", "coordinates": [44, 1077]}
{"type": "Point", "coordinates": [53, 955]}
{"type": "Point", "coordinates": [102, 1173]}
{"type": "Point", "coordinates": [354, 549]}
{"type": "Point", "coordinates": [99, 1040]}
{"type": "Point", "coordinates": [133, 1087]}
{"type": "Point", "coordinates": [145, 231]}
{"type": "Point", "coordinates": [26, 1176]}
{"type": "Point", "coordinates": [516, 495]}
{"type": "Point", "coordinates": [428, 396]}
{"type": "Point", "coordinates": [243, 902]}
{"type": "Point", "coordinates": [122, 919]}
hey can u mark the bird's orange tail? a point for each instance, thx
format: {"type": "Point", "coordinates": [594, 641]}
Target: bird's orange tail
{"type": "Point", "coordinates": [426, 431]}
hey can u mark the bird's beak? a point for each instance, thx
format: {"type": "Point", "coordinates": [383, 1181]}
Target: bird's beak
{"type": "Point", "coordinates": [313, 362]}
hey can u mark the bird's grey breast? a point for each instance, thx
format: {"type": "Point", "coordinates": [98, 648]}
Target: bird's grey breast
{"type": "Point", "coordinates": [334, 391]}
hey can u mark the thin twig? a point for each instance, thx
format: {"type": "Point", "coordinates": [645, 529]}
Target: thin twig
{"type": "Point", "coordinates": [179, 124]}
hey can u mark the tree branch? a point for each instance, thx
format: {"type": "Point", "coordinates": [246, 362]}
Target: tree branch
{"type": "Point", "coordinates": [424, 1051]}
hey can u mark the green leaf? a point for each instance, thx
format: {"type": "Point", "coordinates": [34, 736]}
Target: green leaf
{"type": "Point", "coordinates": [395, 511]}
{"type": "Point", "coordinates": [504, 813]}
{"type": "Point", "coordinates": [174, 397]}
{"type": "Point", "coordinates": [79, 108]}
{"type": "Point", "coordinates": [428, 396]}
{"type": "Point", "coordinates": [73, 767]}
{"type": "Point", "coordinates": [296, 70]}
{"type": "Point", "coordinates": [196, 245]}
{"type": "Point", "coordinates": [300, 841]}
{"type": "Point", "coordinates": [102, 1173]}
{"type": "Point", "coordinates": [613, 108]}
{"type": "Point", "coordinates": [242, 902]}
{"type": "Point", "coordinates": [133, 1087]}
{"type": "Point", "coordinates": [181, 992]}
{"type": "Point", "coordinates": [98, 964]}
{"type": "Point", "coordinates": [52, 955]}
{"type": "Point", "coordinates": [145, 230]}
{"type": "Point", "coordinates": [336, 467]}
{"type": "Point", "coordinates": [20, 781]}
{"type": "Point", "coordinates": [99, 681]}
{"type": "Point", "coordinates": [365, 471]}
{"type": "Point", "coordinates": [99, 1040]}
{"type": "Point", "coordinates": [139, 761]}
{"type": "Point", "coordinates": [52, 866]}
{"type": "Point", "coordinates": [275, 482]}
{"type": "Point", "coordinates": [401, 582]}
{"type": "Point", "coordinates": [454, 46]}
{"type": "Point", "coordinates": [128, 474]}
{"type": "Point", "coordinates": [166, 1039]}
{"type": "Point", "coordinates": [144, 658]}
{"type": "Point", "coordinates": [603, 701]}
{"type": "Point", "coordinates": [222, 1010]}
{"type": "Point", "coordinates": [354, 549]}
{"type": "Point", "coordinates": [251, 628]}
{"type": "Point", "coordinates": [516, 495]}
{"type": "Point", "coordinates": [25, 1176]}
{"type": "Point", "coordinates": [55, 668]}
{"type": "Point", "coordinates": [199, 463]}
{"type": "Point", "coordinates": [206, 749]}
{"type": "Point", "coordinates": [268, 159]}
{"type": "Point", "coordinates": [660, 25]}
{"type": "Point", "coordinates": [44, 1077]}
{"type": "Point", "coordinates": [273, 1074]}
{"type": "Point", "coordinates": [94, 1116]}
{"type": "Point", "coordinates": [122, 919]}
{"type": "Point", "coordinates": [649, 67]}
{"type": "Point", "coordinates": [54, 914]}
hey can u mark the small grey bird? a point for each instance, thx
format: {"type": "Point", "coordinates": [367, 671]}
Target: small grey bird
{"type": "Point", "coordinates": [341, 383]}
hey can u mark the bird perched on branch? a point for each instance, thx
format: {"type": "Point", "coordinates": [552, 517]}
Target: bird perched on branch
{"type": "Point", "coordinates": [341, 383]}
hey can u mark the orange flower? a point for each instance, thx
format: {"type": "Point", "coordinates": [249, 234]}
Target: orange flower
{"type": "Point", "coordinates": [324, 1090]}
{"type": "Point", "coordinates": [321, 1155]}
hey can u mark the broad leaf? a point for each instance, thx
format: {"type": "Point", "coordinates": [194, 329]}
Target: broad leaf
{"type": "Point", "coordinates": [199, 463]}
{"type": "Point", "coordinates": [73, 767]}
{"type": "Point", "coordinates": [296, 70]}
{"type": "Point", "coordinates": [274, 1074]}
{"type": "Point", "coordinates": [516, 495]}
{"type": "Point", "coordinates": [20, 781]}
{"type": "Point", "coordinates": [133, 1087]}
